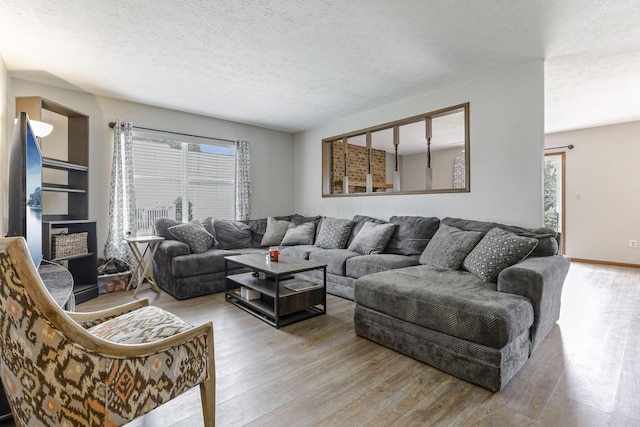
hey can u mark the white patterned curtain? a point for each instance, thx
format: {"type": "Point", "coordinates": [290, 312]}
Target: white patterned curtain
{"type": "Point", "coordinates": [242, 181]}
{"type": "Point", "coordinates": [122, 200]}
{"type": "Point", "coordinates": [459, 173]}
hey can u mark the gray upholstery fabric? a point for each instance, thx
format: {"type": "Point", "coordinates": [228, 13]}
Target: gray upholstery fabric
{"type": "Point", "coordinates": [194, 235]}
{"type": "Point", "coordinates": [369, 264]}
{"type": "Point", "coordinates": [275, 231]}
{"type": "Point", "coordinates": [455, 303]}
{"type": "Point", "coordinates": [232, 234]}
{"type": "Point", "coordinates": [336, 284]}
{"type": "Point", "coordinates": [449, 247]}
{"type": "Point", "coordinates": [336, 259]}
{"type": "Point", "coordinates": [211, 261]}
{"type": "Point", "coordinates": [161, 227]}
{"type": "Point", "coordinates": [299, 251]}
{"type": "Point", "coordinates": [358, 222]}
{"type": "Point", "coordinates": [258, 228]}
{"type": "Point", "coordinates": [412, 234]}
{"type": "Point", "coordinates": [549, 239]}
{"type": "Point", "coordinates": [334, 233]}
{"type": "Point", "coordinates": [488, 367]}
{"type": "Point", "coordinates": [498, 250]}
{"type": "Point", "coordinates": [372, 238]}
{"type": "Point", "coordinates": [540, 279]}
{"type": "Point", "coordinates": [301, 234]}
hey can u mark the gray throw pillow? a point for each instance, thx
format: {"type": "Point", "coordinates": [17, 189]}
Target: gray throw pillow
{"type": "Point", "coordinates": [232, 234]}
{"type": "Point", "coordinates": [412, 234]}
{"type": "Point", "coordinates": [302, 234]}
{"type": "Point", "coordinates": [498, 250]}
{"type": "Point", "coordinates": [449, 247]}
{"type": "Point", "coordinates": [275, 232]}
{"type": "Point", "coordinates": [372, 238]}
{"type": "Point", "coordinates": [161, 227]}
{"type": "Point", "coordinates": [334, 233]}
{"type": "Point", "coordinates": [194, 235]}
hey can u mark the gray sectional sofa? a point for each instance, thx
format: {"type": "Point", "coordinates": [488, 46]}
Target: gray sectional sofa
{"type": "Point", "coordinates": [471, 298]}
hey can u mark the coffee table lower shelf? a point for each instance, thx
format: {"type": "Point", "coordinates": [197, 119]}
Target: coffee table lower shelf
{"type": "Point", "coordinates": [264, 312]}
{"type": "Point", "coordinates": [293, 306]}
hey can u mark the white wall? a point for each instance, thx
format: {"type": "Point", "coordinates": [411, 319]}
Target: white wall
{"type": "Point", "coordinates": [271, 151]}
{"type": "Point", "coordinates": [506, 136]}
{"type": "Point", "coordinates": [3, 147]}
{"type": "Point", "coordinates": [602, 186]}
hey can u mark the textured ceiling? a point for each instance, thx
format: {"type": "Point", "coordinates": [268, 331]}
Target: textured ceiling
{"type": "Point", "coordinates": [292, 65]}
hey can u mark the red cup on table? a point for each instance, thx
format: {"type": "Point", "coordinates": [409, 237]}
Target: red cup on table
{"type": "Point", "coordinates": [273, 253]}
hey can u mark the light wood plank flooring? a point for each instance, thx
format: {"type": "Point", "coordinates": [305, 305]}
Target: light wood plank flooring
{"type": "Point", "coordinates": [319, 373]}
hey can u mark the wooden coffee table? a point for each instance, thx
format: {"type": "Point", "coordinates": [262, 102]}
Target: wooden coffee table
{"type": "Point", "coordinates": [276, 302]}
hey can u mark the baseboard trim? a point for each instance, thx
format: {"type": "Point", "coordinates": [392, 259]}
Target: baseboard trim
{"type": "Point", "coordinates": [595, 261]}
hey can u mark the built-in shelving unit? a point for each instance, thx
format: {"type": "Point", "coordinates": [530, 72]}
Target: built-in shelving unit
{"type": "Point", "coordinates": [66, 198]}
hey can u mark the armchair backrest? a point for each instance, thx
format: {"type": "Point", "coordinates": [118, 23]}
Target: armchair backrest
{"type": "Point", "coordinates": [47, 376]}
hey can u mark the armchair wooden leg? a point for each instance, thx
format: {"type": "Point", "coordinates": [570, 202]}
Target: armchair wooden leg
{"type": "Point", "coordinates": [208, 397]}
{"type": "Point", "coordinates": [208, 386]}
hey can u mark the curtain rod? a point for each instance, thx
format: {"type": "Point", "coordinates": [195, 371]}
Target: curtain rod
{"type": "Point", "coordinates": [570, 147]}
{"type": "Point", "coordinates": [113, 124]}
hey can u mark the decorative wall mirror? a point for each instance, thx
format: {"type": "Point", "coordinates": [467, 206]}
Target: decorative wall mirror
{"type": "Point", "coordinates": [428, 153]}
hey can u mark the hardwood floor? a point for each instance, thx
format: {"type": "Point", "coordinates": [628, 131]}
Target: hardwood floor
{"type": "Point", "coordinates": [319, 373]}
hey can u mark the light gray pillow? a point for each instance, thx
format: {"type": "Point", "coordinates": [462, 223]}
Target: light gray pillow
{"type": "Point", "coordinates": [498, 250]}
{"type": "Point", "coordinates": [232, 234]}
{"type": "Point", "coordinates": [449, 247]}
{"type": "Point", "coordinates": [372, 238]}
{"type": "Point", "coordinates": [194, 235]}
{"type": "Point", "coordinates": [334, 233]}
{"type": "Point", "coordinates": [302, 234]}
{"type": "Point", "coordinates": [276, 230]}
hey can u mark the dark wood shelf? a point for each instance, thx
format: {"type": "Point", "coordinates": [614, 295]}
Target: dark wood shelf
{"type": "Point", "coordinates": [61, 188]}
{"type": "Point", "coordinates": [62, 165]}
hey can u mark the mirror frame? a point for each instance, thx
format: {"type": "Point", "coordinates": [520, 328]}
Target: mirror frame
{"type": "Point", "coordinates": [408, 120]}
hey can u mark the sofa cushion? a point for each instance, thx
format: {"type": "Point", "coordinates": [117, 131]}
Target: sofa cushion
{"type": "Point", "coordinates": [454, 302]}
{"type": "Point", "coordinates": [548, 239]}
{"type": "Point", "coordinates": [498, 250]}
{"type": "Point", "coordinates": [358, 222]}
{"type": "Point", "coordinates": [211, 261]}
{"type": "Point", "coordinates": [194, 235]}
{"type": "Point", "coordinates": [161, 228]}
{"type": "Point", "coordinates": [301, 234]}
{"type": "Point", "coordinates": [275, 231]}
{"type": "Point", "coordinates": [232, 234]}
{"type": "Point", "coordinates": [336, 259]}
{"type": "Point", "coordinates": [449, 247]}
{"type": "Point", "coordinates": [369, 264]}
{"type": "Point", "coordinates": [334, 233]}
{"type": "Point", "coordinates": [372, 238]}
{"type": "Point", "coordinates": [412, 234]}
{"type": "Point", "coordinates": [299, 251]}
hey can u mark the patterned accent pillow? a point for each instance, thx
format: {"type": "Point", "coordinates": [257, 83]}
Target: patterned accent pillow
{"type": "Point", "coordinates": [302, 234]}
{"type": "Point", "coordinates": [194, 235]}
{"type": "Point", "coordinates": [334, 233]}
{"type": "Point", "coordinates": [275, 232]}
{"type": "Point", "coordinates": [372, 238]}
{"type": "Point", "coordinates": [449, 247]}
{"type": "Point", "coordinates": [498, 250]}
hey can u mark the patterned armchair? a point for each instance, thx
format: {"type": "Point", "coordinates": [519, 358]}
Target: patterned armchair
{"type": "Point", "coordinates": [92, 369]}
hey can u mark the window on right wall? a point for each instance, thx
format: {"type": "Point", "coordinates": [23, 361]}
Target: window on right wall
{"type": "Point", "coordinates": [428, 153]}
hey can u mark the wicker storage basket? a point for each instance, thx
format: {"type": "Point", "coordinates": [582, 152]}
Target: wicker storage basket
{"type": "Point", "coordinates": [65, 245]}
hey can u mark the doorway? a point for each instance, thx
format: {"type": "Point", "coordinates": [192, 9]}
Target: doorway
{"type": "Point", "coordinates": [554, 191]}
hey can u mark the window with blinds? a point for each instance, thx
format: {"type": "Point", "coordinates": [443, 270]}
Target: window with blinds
{"type": "Point", "coordinates": [182, 180]}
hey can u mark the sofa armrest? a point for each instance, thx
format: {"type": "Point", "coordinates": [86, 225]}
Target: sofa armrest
{"type": "Point", "coordinates": [169, 249]}
{"type": "Point", "coordinates": [540, 279]}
